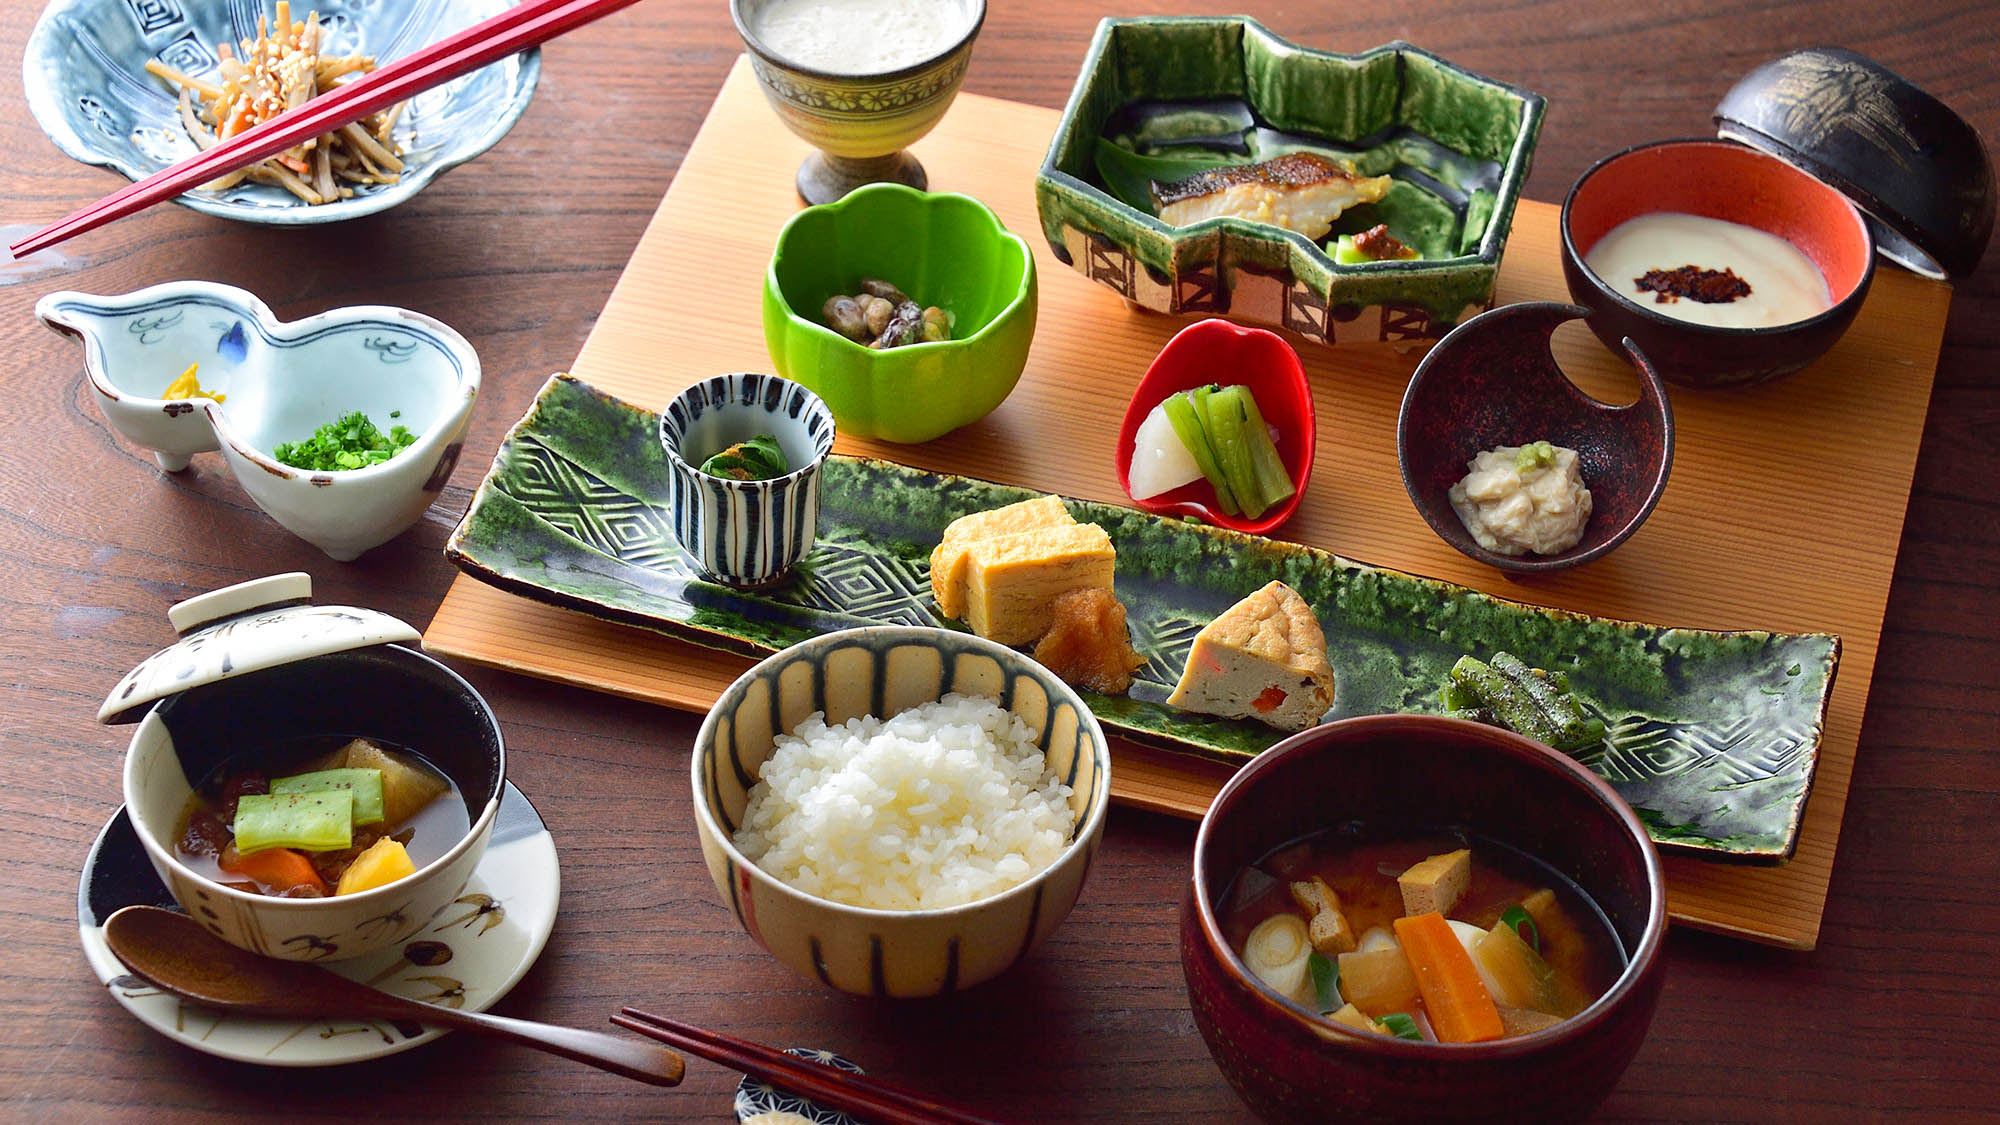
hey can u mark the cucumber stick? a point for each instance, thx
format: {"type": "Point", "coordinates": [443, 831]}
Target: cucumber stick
{"type": "Point", "coordinates": [1224, 417]}
{"type": "Point", "coordinates": [1189, 426]}
{"type": "Point", "coordinates": [1273, 482]}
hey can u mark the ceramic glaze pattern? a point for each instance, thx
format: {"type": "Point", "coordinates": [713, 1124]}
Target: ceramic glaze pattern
{"type": "Point", "coordinates": [1714, 736]}
{"type": "Point", "coordinates": [884, 671]}
{"type": "Point", "coordinates": [1257, 272]}
{"type": "Point", "coordinates": [84, 76]}
{"type": "Point", "coordinates": [745, 533]}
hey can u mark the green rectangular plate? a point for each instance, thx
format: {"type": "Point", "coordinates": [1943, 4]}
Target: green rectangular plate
{"type": "Point", "coordinates": [1713, 736]}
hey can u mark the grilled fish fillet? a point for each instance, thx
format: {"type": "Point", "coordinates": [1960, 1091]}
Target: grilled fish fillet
{"type": "Point", "coordinates": [1299, 192]}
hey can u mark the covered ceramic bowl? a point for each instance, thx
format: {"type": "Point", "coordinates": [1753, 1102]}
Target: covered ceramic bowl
{"type": "Point", "coordinates": [258, 667]}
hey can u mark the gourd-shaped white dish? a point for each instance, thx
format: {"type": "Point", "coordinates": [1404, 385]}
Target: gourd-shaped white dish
{"type": "Point", "coordinates": [280, 382]}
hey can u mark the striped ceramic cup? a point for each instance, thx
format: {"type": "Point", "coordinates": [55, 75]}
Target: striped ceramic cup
{"type": "Point", "coordinates": [746, 532]}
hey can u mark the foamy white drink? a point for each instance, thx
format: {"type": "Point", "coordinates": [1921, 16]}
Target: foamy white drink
{"type": "Point", "coordinates": [859, 36]}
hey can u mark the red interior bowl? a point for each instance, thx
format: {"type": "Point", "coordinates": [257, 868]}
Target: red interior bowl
{"type": "Point", "coordinates": [1216, 351]}
{"type": "Point", "coordinates": [1718, 180]}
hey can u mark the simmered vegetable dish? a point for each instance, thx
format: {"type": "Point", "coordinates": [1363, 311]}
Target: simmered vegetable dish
{"type": "Point", "coordinates": [1436, 939]}
{"type": "Point", "coordinates": [322, 823]}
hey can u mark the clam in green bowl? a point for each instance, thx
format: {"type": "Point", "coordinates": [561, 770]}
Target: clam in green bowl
{"type": "Point", "coordinates": [945, 250]}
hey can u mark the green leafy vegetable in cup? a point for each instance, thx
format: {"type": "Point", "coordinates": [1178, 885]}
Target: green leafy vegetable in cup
{"type": "Point", "coordinates": [760, 458]}
{"type": "Point", "coordinates": [352, 442]}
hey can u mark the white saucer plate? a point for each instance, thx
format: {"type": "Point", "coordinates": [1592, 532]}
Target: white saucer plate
{"type": "Point", "coordinates": [468, 957]}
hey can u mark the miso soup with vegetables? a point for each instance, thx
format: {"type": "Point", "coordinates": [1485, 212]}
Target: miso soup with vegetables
{"type": "Point", "coordinates": [1436, 938]}
{"type": "Point", "coordinates": [323, 817]}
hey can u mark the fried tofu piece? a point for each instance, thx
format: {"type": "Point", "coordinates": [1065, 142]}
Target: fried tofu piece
{"type": "Point", "coordinates": [1264, 658]}
{"type": "Point", "coordinates": [1436, 884]}
{"type": "Point", "coordinates": [1087, 644]}
{"type": "Point", "coordinates": [1329, 930]}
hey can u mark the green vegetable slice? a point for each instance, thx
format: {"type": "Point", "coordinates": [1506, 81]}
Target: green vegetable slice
{"type": "Point", "coordinates": [1223, 416]}
{"type": "Point", "coordinates": [1325, 973]}
{"type": "Point", "coordinates": [1347, 254]}
{"type": "Point", "coordinates": [1186, 419]}
{"type": "Point", "coordinates": [364, 784]}
{"type": "Point", "coordinates": [316, 822]}
{"type": "Point", "coordinates": [760, 458]}
{"type": "Point", "coordinates": [1402, 1026]}
{"type": "Point", "coordinates": [1521, 922]}
{"type": "Point", "coordinates": [1274, 483]}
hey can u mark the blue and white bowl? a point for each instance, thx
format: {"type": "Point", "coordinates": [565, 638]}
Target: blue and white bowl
{"type": "Point", "coordinates": [746, 532]}
{"type": "Point", "coordinates": [281, 381]}
{"type": "Point", "coordinates": [85, 79]}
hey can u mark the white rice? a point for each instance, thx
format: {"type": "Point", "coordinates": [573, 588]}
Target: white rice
{"type": "Point", "coordinates": [942, 805]}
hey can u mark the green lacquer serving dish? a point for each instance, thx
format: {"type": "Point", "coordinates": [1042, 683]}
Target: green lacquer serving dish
{"type": "Point", "coordinates": [941, 249]}
{"type": "Point", "coordinates": [1159, 96]}
{"type": "Point", "coordinates": [1713, 736]}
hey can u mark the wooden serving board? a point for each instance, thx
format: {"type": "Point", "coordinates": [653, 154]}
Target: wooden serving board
{"type": "Point", "coordinates": [1784, 509]}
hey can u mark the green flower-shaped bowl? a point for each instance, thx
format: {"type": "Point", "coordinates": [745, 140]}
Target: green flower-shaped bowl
{"type": "Point", "coordinates": [942, 249]}
{"type": "Point", "coordinates": [1457, 145]}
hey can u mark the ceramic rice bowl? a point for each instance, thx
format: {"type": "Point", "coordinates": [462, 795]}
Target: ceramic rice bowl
{"type": "Point", "coordinates": [1422, 771]}
{"type": "Point", "coordinates": [84, 76]}
{"type": "Point", "coordinates": [384, 691]}
{"type": "Point", "coordinates": [884, 670]}
{"type": "Point", "coordinates": [745, 532]}
{"type": "Point", "coordinates": [281, 381]}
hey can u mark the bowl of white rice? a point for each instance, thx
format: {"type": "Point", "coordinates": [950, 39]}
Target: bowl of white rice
{"type": "Point", "coordinates": [900, 811]}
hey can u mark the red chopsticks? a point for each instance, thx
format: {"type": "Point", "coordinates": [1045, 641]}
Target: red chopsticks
{"type": "Point", "coordinates": [514, 30]}
{"type": "Point", "coordinates": [830, 1086]}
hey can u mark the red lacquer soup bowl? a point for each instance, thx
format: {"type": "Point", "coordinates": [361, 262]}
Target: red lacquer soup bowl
{"type": "Point", "coordinates": [1385, 771]}
{"type": "Point", "coordinates": [1717, 180]}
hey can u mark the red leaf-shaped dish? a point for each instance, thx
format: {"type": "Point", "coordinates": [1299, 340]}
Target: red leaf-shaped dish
{"type": "Point", "coordinates": [1216, 351]}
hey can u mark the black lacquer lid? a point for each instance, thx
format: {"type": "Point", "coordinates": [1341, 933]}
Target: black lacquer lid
{"type": "Point", "coordinates": [1915, 168]}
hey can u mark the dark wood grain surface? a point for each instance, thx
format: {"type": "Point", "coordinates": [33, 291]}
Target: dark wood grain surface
{"type": "Point", "coordinates": [1895, 1011]}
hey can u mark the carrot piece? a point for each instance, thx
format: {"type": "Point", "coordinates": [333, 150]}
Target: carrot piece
{"type": "Point", "coordinates": [280, 868]}
{"type": "Point", "coordinates": [1454, 997]}
{"type": "Point", "coordinates": [1268, 700]}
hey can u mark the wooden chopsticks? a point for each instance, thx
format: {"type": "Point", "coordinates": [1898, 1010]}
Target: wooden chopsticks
{"type": "Point", "coordinates": [514, 30]}
{"type": "Point", "coordinates": [830, 1086]}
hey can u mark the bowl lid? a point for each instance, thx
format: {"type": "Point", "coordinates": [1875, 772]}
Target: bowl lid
{"type": "Point", "coordinates": [247, 627]}
{"type": "Point", "coordinates": [1917, 170]}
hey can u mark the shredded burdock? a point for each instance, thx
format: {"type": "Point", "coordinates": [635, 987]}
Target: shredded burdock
{"type": "Point", "coordinates": [281, 70]}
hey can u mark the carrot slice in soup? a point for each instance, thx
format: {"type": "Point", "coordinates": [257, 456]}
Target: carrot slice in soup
{"type": "Point", "coordinates": [1454, 997]}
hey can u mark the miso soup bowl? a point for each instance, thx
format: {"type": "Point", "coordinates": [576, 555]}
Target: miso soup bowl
{"type": "Point", "coordinates": [383, 691]}
{"type": "Point", "coordinates": [1717, 180]}
{"type": "Point", "coordinates": [884, 670]}
{"type": "Point", "coordinates": [1424, 772]}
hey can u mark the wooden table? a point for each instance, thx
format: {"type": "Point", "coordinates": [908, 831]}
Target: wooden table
{"type": "Point", "coordinates": [1893, 1011]}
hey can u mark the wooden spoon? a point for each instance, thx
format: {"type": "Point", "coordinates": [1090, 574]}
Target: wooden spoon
{"type": "Point", "coordinates": [172, 952]}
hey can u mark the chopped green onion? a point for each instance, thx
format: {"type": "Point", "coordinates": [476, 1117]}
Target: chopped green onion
{"type": "Point", "coordinates": [1400, 1025]}
{"type": "Point", "coordinates": [1523, 923]}
{"type": "Point", "coordinates": [1326, 981]}
{"type": "Point", "coordinates": [364, 784]}
{"type": "Point", "coordinates": [314, 822]}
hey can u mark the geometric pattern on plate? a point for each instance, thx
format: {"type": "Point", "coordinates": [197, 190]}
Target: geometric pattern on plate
{"type": "Point", "coordinates": [1714, 736]}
